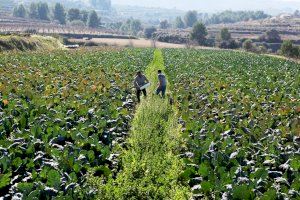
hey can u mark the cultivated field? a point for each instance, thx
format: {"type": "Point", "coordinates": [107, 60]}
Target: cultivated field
{"type": "Point", "coordinates": [70, 127]}
{"type": "Point", "coordinates": [240, 116]}
{"type": "Point", "coordinates": [61, 114]}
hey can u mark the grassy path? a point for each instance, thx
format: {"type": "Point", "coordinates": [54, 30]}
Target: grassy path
{"type": "Point", "coordinates": [151, 166]}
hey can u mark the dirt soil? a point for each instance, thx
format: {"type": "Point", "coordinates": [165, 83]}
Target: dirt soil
{"type": "Point", "coordinates": [143, 43]}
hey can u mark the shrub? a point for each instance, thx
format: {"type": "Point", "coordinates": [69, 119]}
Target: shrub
{"type": "Point", "coordinates": [199, 33]}
{"type": "Point", "coordinates": [262, 49]}
{"type": "Point", "coordinates": [164, 24]}
{"type": "Point", "coordinates": [78, 23]}
{"type": "Point", "coordinates": [230, 44]}
{"type": "Point", "coordinates": [248, 45]}
{"type": "Point", "coordinates": [31, 31]}
{"type": "Point", "coordinates": [171, 37]}
{"type": "Point", "coordinates": [178, 23]}
{"type": "Point", "coordinates": [271, 36]}
{"type": "Point", "coordinates": [90, 44]}
{"type": "Point", "coordinates": [148, 32]}
{"type": "Point", "coordinates": [288, 49]}
{"type": "Point", "coordinates": [225, 34]}
{"type": "Point", "coordinates": [190, 18]}
{"type": "Point", "coordinates": [296, 52]}
{"type": "Point", "coordinates": [93, 20]}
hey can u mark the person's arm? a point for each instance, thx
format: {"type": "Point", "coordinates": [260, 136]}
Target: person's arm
{"type": "Point", "coordinates": [136, 84]}
{"type": "Point", "coordinates": [159, 82]}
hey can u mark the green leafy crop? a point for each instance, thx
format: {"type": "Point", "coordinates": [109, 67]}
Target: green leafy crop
{"type": "Point", "coordinates": [60, 114]}
{"type": "Point", "coordinates": [240, 113]}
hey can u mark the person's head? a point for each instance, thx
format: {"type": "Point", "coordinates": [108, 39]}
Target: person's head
{"type": "Point", "coordinates": [139, 73]}
{"type": "Point", "coordinates": [159, 71]}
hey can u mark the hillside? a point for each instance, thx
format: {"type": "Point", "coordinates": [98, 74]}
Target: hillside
{"type": "Point", "coordinates": [29, 43]}
{"type": "Point", "coordinates": [270, 6]}
{"type": "Point", "coordinates": [287, 25]}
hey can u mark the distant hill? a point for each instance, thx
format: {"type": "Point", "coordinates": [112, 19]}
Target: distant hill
{"type": "Point", "coordinates": [147, 14]}
{"type": "Point", "coordinates": [273, 7]}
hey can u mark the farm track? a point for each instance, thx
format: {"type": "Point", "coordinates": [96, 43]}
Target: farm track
{"type": "Point", "coordinates": [151, 166]}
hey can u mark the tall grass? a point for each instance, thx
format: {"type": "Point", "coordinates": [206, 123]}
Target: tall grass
{"type": "Point", "coordinates": [29, 43]}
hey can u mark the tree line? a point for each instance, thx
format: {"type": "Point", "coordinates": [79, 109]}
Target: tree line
{"type": "Point", "coordinates": [189, 20]}
{"type": "Point", "coordinates": [234, 16]}
{"type": "Point", "coordinates": [191, 17]}
{"type": "Point", "coordinates": [73, 16]}
{"type": "Point", "coordinates": [135, 26]}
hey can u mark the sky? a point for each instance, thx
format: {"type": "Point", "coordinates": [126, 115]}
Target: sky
{"type": "Point", "coordinates": [216, 5]}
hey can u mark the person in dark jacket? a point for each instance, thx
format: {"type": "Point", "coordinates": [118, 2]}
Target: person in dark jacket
{"type": "Point", "coordinates": [139, 81]}
{"type": "Point", "coordinates": [162, 84]}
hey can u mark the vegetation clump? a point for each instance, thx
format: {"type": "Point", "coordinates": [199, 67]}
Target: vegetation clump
{"type": "Point", "coordinates": [72, 16]}
{"type": "Point", "coordinates": [199, 33]}
{"type": "Point", "coordinates": [271, 36]}
{"type": "Point", "coordinates": [29, 43]}
{"type": "Point", "coordinates": [290, 50]}
{"type": "Point", "coordinates": [226, 42]}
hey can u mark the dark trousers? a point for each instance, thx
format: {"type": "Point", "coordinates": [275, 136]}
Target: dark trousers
{"type": "Point", "coordinates": [161, 90]}
{"type": "Point", "coordinates": [138, 94]}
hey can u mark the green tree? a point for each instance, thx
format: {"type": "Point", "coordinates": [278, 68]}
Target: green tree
{"type": "Point", "coordinates": [199, 33]}
{"type": "Point", "coordinates": [84, 16]}
{"type": "Point", "coordinates": [93, 21]}
{"type": "Point", "coordinates": [19, 11]}
{"type": "Point", "coordinates": [148, 32]}
{"type": "Point", "coordinates": [288, 49]}
{"type": "Point", "coordinates": [248, 45]}
{"type": "Point", "coordinates": [33, 11]}
{"type": "Point", "coordinates": [262, 49]}
{"type": "Point", "coordinates": [59, 13]}
{"type": "Point", "coordinates": [225, 34]}
{"type": "Point", "coordinates": [179, 23]}
{"type": "Point", "coordinates": [125, 27]}
{"type": "Point", "coordinates": [190, 18]}
{"type": "Point", "coordinates": [135, 26]}
{"type": "Point", "coordinates": [228, 44]}
{"type": "Point", "coordinates": [272, 36]}
{"type": "Point", "coordinates": [131, 26]}
{"type": "Point", "coordinates": [164, 24]}
{"type": "Point", "coordinates": [73, 14]}
{"type": "Point", "coordinates": [43, 11]}
{"type": "Point", "coordinates": [229, 16]}
{"type": "Point", "coordinates": [115, 25]}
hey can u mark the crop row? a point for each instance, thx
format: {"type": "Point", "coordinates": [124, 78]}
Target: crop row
{"type": "Point", "coordinates": [60, 114]}
{"type": "Point", "coordinates": [240, 118]}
